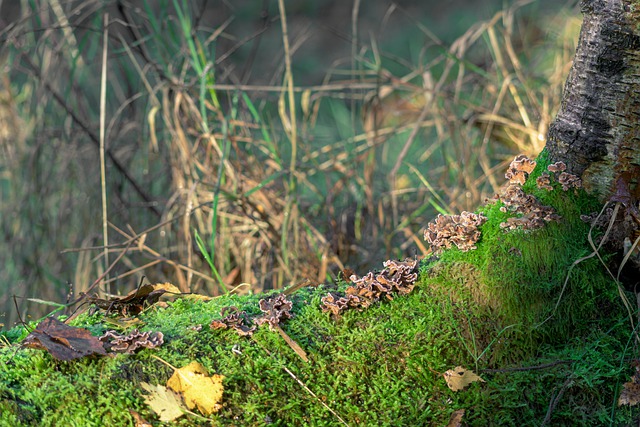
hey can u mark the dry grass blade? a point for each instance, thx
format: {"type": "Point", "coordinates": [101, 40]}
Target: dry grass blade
{"type": "Point", "coordinates": [196, 148]}
{"type": "Point", "coordinates": [103, 169]}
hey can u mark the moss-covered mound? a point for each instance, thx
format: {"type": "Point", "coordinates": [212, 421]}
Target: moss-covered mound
{"type": "Point", "coordinates": [495, 310]}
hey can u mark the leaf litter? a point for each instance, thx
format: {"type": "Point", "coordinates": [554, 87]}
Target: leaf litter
{"type": "Point", "coordinates": [62, 341]}
{"type": "Point", "coordinates": [164, 402]}
{"type": "Point", "coordinates": [197, 388]}
{"type": "Point", "coordinates": [459, 378]}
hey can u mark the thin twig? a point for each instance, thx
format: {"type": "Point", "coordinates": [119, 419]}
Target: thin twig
{"type": "Point", "coordinates": [526, 368]}
{"type": "Point", "coordinates": [554, 402]}
{"type": "Point", "coordinates": [303, 385]}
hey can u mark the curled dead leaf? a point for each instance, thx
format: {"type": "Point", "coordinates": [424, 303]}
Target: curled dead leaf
{"type": "Point", "coordinates": [630, 393]}
{"type": "Point", "coordinates": [459, 378]}
{"type": "Point", "coordinates": [456, 418]}
{"type": "Point", "coordinates": [135, 301]}
{"type": "Point", "coordinates": [62, 341]}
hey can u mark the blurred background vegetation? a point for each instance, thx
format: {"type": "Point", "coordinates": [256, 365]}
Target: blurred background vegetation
{"type": "Point", "coordinates": [238, 158]}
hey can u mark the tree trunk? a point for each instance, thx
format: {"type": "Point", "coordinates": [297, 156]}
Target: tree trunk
{"type": "Point", "coordinates": [595, 132]}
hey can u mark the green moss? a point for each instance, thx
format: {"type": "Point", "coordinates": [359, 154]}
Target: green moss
{"type": "Point", "coordinates": [380, 366]}
{"type": "Point", "coordinates": [518, 277]}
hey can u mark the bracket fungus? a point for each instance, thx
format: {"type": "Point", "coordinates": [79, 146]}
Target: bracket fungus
{"type": "Point", "coordinates": [117, 343]}
{"type": "Point", "coordinates": [531, 213]}
{"type": "Point", "coordinates": [396, 277]}
{"type": "Point", "coordinates": [274, 309]}
{"type": "Point", "coordinates": [459, 230]}
{"type": "Point", "coordinates": [557, 167]}
{"type": "Point", "coordinates": [336, 304]}
{"type": "Point", "coordinates": [519, 169]}
{"type": "Point", "coordinates": [569, 181]}
{"type": "Point", "coordinates": [543, 182]}
{"type": "Point", "coordinates": [235, 319]}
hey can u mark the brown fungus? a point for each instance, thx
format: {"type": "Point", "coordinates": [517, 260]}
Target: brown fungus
{"type": "Point", "coordinates": [275, 310]}
{"type": "Point", "coordinates": [336, 304]}
{"type": "Point", "coordinates": [519, 169]}
{"type": "Point", "coordinates": [557, 167]}
{"type": "Point", "coordinates": [396, 277]}
{"type": "Point", "coordinates": [403, 273]}
{"type": "Point", "coordinates": [568, 181]}
{"type": "Point", "coordinates": [459, 230]}
{"type": "Point", "coordinates": [543, 182]}
{"type": "Point", "coordinates": [531, 214]}
{"type": "Point", "coordinates": [236, 320]}
{"type": "Point", "coordinates": [116, 343]}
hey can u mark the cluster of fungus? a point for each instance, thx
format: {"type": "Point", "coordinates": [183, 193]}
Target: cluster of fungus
{"type": "Point", "coordinates": [117, 343]}
{"type": "Point", "coordinates": [530, 213]}
{"type": "Point", "coordinates": [566, 180]}
{"type": "Point", "coordinates": [397, 277]}
{"type": "Point", "coordinates": [459, 230]}
{"type": "Point", "coordinates": [233, 319]}
{"type": "Point", "coordinates": [462, 230]}
{"type": "Point", "coordinates": [275, 310]}
{"type": "Point", "coordinates": [520, 169]}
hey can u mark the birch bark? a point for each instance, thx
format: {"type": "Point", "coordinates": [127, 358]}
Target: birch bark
{"type": "Point", "coordinates": [596, 132]}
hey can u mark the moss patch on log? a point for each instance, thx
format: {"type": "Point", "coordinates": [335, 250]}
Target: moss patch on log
{"type": "Point", "coordinates": [482, 309]}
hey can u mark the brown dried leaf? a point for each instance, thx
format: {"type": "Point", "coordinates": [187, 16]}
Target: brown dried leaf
{"type": "Point", "coordinates": [630, 394]}
{"type": "Point", "coordinates": [135, 301]}
{"type": "Point", "coordinates": [459, 378]}
{"type": "Point", "coordinates": [62, 341]}
{"type": "Point", "coordinates": [140, 422]}
{"type": "Point", "coordinates": [198, 388]}
{"type": "Point", "coordinates": [456, 418]}
{"type": "Point", "coordinates": [164, 402]}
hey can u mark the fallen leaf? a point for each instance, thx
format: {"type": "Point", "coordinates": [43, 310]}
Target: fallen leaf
{"type": "Point", "coordinates": [135, 301]}
{"type": "Point", "coordinates": [198, 297]}
{"type": "Point", "coordinates": [140, 422]}
{"type": "Point", "coordinates": [163, 401]}
{"type": "Point", "coordinates": [456, 418]}
{"type": "Point", "coordinates": [198, 388]}
{"type": "Point", "coordinates": [459, 378]}
{"type": "Point", "coordinates": [630, 394]}
{"type": "Point", "coordinates": [62, 341]}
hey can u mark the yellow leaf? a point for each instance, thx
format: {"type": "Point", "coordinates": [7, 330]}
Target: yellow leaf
{"type": "Point", "coordinates": [198, 388]}
{"type": "Point", "coordinates": [198, 297]}
{"type": "Point", "coordinates": [168, 287]}
{"type": "Point", "coordinates": [163, 402]}
{"type": "Point", "coordinates": [459, 378]}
